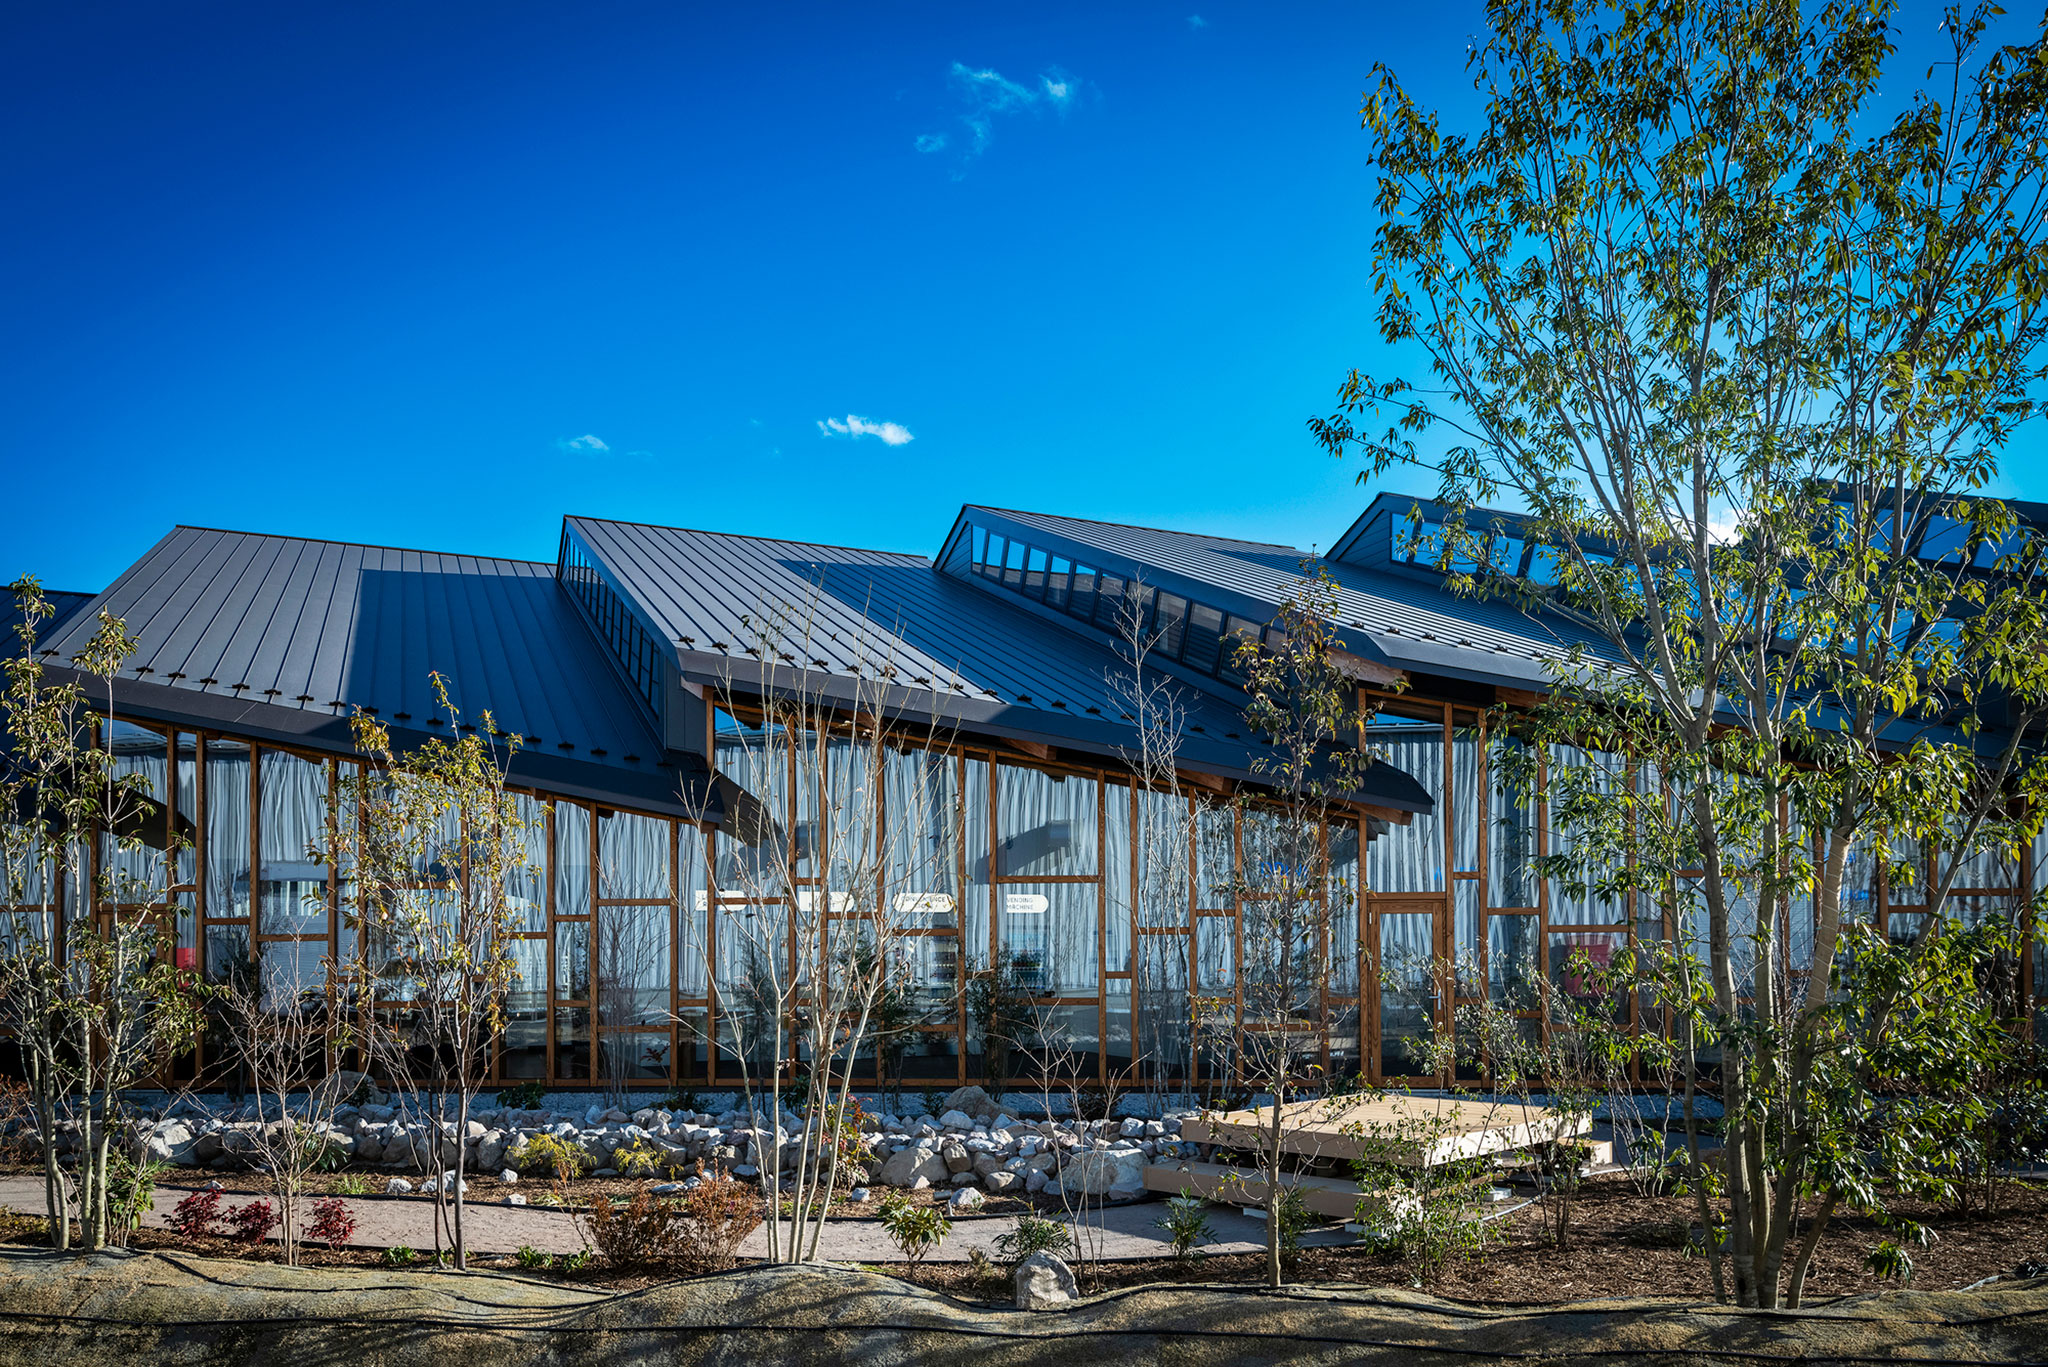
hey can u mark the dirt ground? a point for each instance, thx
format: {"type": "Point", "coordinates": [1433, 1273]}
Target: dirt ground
{"type": "Point", "coordinates": [1618, 1244]}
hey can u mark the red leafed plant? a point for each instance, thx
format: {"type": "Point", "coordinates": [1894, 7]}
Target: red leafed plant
{"type": "Point", "coordinates": [253, 1222]}
{"type": "Point", "coordinates": [198, 1215]}
{"type": "Point", "coordinates": [332, 1225]}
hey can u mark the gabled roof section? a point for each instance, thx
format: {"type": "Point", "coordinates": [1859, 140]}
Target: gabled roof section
{"type": "Point", "coordinates": [286, 637]}
{"type": "Point", "coordinates": [1406, 621]}
{"type": "Point", "coordinates": [979, 663]}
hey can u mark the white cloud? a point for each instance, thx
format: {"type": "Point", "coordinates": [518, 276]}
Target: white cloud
{"type": "Point", "coordinates": [986, 95]}
{"type": "Point", "coordinates": [1197, 21]}
{"type": "Point", "coordinates": [586, 442]}
{"type": "Point", "coordinates": [891, 433]}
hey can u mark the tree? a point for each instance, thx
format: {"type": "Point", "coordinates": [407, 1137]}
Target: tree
{"type": "Point", "coordinates": [1747, 359]}
{"type": "Point", "coordinates": [1164, 836]}
{"type": "Point", "coordinates": [88, 991]}
{"type": "Point", "coordinates": [435, 852]}
{"type": "Point", "coordinates": [285, 1037]}
{"type": "Point", "coordinates": [835, 849]}
{"type": "Point", "coordinates": [1303, 708]}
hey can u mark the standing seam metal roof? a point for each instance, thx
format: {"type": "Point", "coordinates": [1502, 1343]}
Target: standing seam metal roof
{"type": "Point", "coordinates": [324, 627]}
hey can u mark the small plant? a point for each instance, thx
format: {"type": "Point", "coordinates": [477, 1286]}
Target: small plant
{"type": "Point", "coordinates": [551, 1199]}
{"type": "Point", "coordinates": [198, 1215]}
{"type": "Point", "coordinates": [1295, 1221]}
{"type": "Point", "coordinates": [252, 1223]}
{"type": "Point", "coordinates": [638, 1159]}
{"type": "Point", "coordinates": [332, 1225]}
{"type": "Point", "coordinates": [681, 1101]}
{"type": "Point", "coordinates": [1034, 1234]}
{"type": "Point", "coordinates": [1187, 1226]}
{"type": "Point", "coordinates": [916, 1230]}
{"type": "Point", "coordinates": [547, 1155]}
{"type": "Point", "coordinates": [847, 1143]}
{"type": "Point", "coordinates": [577, 1261]}
{"type": "Point", "coordinates": [131, 1190]}
{"type": "Point", "coordinates": [983, 1268]}
{"type": "Point", "coordinates": [533, 1260]}
{"type": "Point", "coordinates": [527, 1096]}
{"type": "Point", "coordinates": [351, 1184]}
{"type": "Point", "coordinates": [1892, 1260]}
{"type": "Point", "coordinates": [398, 1255]}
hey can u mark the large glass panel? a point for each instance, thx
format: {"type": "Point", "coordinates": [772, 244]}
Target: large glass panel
{"type": "Point", "coordinates": [185, 832]}
{"type": "Point", "coordinates": [572, 859]}
{"type": "Point", "coordinates": [1048, 935]}
{"type": "Point", "coordinates": [1045, 823]}
{"type": "Point", "coordinates": [524, 1046]}
{"type": "Point", "coordinates": [631, 959]}
{"type": "Point", "coordinates": [1163, 853]}
{"type": "Point", "coordinates": [1169, 627]}
{"type": "Point", "coordinates": [1408, 1003]}
{"type": "Point", "coordinates": [572, 1041]}
{"type": "Point", "coordinates": [227, 829]}
{"type": "Point", "coordinates": [1511, 837]}
{"type": "Point", "coordinates": [633, 856]}
{"type": "Point", "coordinates": [1204, 638]}
{"type": "Point", "coordinates": [1215, 856]}
{"type": "Point", "coordinates": [1466, 932]}
{"type": "Point", "coordinates": [694, 899]}
{"type": "Point", "coordinates": [1467, 765]}
{"type": "Point", "coordinates": [1578, 901]}
{"type": "Point", "coordinates": [974, 919]}
{"type": "Point", "coordinates": [1215, 953]}
{"type": "Point", "coordinates": [1160, 990]}
{"type": "Point", "coordinates": [1409, 858]}
{"type": "Point", "coordinates": [294, 817]}
{"type": "Point", "coordinates": [922, 799]}
{"type": "Point", "coordinates": [1116, 878]}
{"type": "Point", "coordinates": [572, 961]}
{"type": "Point", "coordinates": [1511, 949]}
{"type": "Point", "coordinates": [133, 867]}
{"type": "Point", "coordinates": [1344, 910]}
{"type": "Point", "coordinates": [290, 968]}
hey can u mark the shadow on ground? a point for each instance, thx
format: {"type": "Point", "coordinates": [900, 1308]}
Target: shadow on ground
{"type": "Point", "coordinates": [57, 1310]}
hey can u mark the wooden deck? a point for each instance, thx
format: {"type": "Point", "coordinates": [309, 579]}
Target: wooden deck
{"type": "Point", "coordinates": [1420, 1131]}
{"type": "Point", "coordinates": [1322, 1138]}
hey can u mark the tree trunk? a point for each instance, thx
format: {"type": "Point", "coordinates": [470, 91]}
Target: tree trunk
{"type": "Point", "coordinates": [1273, 1195]}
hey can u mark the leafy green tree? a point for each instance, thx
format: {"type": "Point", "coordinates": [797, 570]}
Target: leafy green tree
{"type": "Point", "coordinates": [1746, 354]}
{"type": "Point", "coordinates": [89, 995]}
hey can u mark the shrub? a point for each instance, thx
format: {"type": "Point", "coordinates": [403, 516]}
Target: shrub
{"type": "Point", "coordinates": [1034, 1234]}
{"type": "Point", "coordinates": [1187, 1225]}
{"type": "Point", "coordinates": [527, 1096]}
{"type": "Point", "coordinates": [333, 1224]}
{"type": "Point", "coordinates": [351, 1184]}
{"type": "Point", "coordinates": [398, 1255]}
{"type": "Point", "coordinates": [577, 1261]}
{"type": "Point", "coordinates": [131, 1190]}
{"type": "Point", "coordinates": [638, 1159]}
{"type": "Point", "coordinates": [846, 1143]}
{"type": "Point", "coordinates": [198, 1215]}
{"type": "Point", "coordinates": [533, 1260]}
{"type": "Point", "coordinates": [1294, 1222]}
{"type": "Point", "coordinates": [917, 1230]}
{"type": "Point", "coordinates": [551, 1156]}
{"type": "Point", "coordinates": [721, 1212]}
{"type": "Point", "coordinates": [252, 1223]}
{"type": "Point", "coordinates": [638, 1233]}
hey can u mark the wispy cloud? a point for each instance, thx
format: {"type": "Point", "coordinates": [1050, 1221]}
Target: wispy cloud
{"type": "Point", "coordinates": [586, 442]}
{"type": "Point", "coordinates": [1197, 21]}
{"type": "Point", "coordinates": [986, 95]}
{"type": "Point", "coordinates": [892, 433]}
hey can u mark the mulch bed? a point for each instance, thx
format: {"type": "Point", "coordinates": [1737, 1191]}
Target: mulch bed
{"type": "Point", "coordinates": [1619, 1244]}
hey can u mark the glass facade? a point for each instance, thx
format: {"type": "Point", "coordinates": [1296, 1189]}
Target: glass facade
{"type": "Point", "coordinates": [636, 936]}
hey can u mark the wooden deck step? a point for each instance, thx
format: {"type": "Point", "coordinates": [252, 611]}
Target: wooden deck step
{"type": "Point", "coordinates": [1421, 1131]}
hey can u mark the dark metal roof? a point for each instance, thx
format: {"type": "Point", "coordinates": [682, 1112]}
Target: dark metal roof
{"type": "Point", "coordinates": [286, 637]}
{"type": "Point", "coordinates": [998, 668]}
{"type": "Point", "coordinates": [1405, 621]}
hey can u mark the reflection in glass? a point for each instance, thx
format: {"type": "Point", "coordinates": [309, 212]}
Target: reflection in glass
{"type": "Point", "coordinates": [1045, 823]}
{"type": "Point", "coordinates": [1409, 858]}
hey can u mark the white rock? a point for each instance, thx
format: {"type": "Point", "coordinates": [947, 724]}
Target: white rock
{"type": "Point", "coordinates": [398, 1186]}
{"type": "Point", "coordinates": [967, 1198]}
{"type": "Point", "coordinates": [509, 1178]}
{"type": "Point", "coordinates": [1042, 1282]}
{"type": "Point", "coordinates": [857, 1194]}
{"type": "Point", "coordinates": [515, 1199]}
{"type": "Point", "coordinates": [956, 1120]}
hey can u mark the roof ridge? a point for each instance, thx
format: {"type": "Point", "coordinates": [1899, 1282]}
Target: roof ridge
{"type": "Point", "coordinates": [747, 536]}
{"type": "Point", "coordinates": [1134, 527]}
{"type": "Point", "coordinates": [364, 545]}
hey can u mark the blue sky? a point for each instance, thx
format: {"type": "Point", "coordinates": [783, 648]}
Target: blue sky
{"type": "Point", "coordinates": [435, 274]}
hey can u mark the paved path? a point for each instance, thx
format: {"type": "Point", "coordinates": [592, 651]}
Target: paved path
{"type": "Point", "coordinates": [381, 1222]}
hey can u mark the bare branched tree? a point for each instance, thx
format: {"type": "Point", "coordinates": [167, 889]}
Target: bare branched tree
{"type": "Point", "coordinates": [836, 848]}
{"type": "Point", "coordinates": [288, 1037]}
